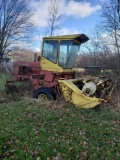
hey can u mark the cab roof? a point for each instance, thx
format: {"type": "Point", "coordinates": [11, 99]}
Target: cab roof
{"type": "Point", "coordinates": [79, 37]}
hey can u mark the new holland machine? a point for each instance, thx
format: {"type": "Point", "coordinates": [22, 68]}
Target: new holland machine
{"type": "Point", "coordinates": [53, 75]}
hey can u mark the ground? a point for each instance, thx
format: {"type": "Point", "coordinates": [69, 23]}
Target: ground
{"type": "Point", "coordinates": [54, 130]}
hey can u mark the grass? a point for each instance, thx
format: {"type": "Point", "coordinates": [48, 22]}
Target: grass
{"type": "Point", "coordinates": [30, 130]}
{"type": "Point", "coordinates": [3, 78]}
{"type": "Point", "coordinates": [33, 130]}
{"type": "Point", "coordinates": [22, 88]}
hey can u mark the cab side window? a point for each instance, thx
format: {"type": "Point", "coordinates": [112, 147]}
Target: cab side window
{"type": "Point", "coordinates": [50, 50]}
{"type": "Point", "coordinates": [64, 52]}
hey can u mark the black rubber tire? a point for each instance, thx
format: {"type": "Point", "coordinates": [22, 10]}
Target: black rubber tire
{"type": "Point", "coordinates": [50, 94]}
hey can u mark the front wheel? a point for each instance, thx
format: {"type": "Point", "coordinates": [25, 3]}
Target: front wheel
{"type": "Point", "coordinates": [45, 94]}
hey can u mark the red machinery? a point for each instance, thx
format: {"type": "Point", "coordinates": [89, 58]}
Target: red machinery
{"type": "Point", "coordinates": [53, 74]}
{"type": "Point", "coordinates": [44, 75]}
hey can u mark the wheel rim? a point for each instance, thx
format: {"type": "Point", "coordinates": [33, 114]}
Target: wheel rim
{"type": "Point", "coordinates": [42, 96]}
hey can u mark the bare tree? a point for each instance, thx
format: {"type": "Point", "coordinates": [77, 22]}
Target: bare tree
{"type": "Point", "coordinates": [118, 9]}
{"type": "Point", "coordinates": [54, 17]}
{"type": "Point", "coordinates": [110, 24]}
{"type": "Point", "coordinates": [93, 48]}
{"type": "Point", "coordinates": [22, 54]}
{"type": "Point", "coordinates": [14, 20]}
{"type": "Point", "coordinates": [104, 45]}
{"type": "Point", "coordinates": [98, 53]}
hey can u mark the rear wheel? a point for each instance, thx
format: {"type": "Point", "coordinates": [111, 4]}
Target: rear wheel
{"type": "Point", "coordinates": [45, 93]}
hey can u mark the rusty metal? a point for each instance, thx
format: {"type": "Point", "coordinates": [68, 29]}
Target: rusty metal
{"type": "Point", "coordinates": [47, 76]}
{"type": "Point", "coordinates": [30, 71]}
{"type": "Point", "coordinates": [101, 87]}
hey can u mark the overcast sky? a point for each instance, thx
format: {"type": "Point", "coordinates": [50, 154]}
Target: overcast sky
{"type": "Point", "coordinates": [79, 16]}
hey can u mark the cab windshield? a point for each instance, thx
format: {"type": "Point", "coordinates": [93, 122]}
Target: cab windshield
{"type": "Point", "coordinates": [65, 56]}
{"type": "Point", "coordinates": [68, 53]}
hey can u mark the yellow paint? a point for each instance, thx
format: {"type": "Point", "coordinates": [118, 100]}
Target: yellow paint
{"type": "Point", "coordinates": [80, 37]}
{"type": "Point", "coordinates": [74, 95]}
{"type": "Point", "coordinates": [50, 66]}
{"type": "Point", "coordinates": [46, 64]}
{"type": "Point", "coordinates": [70, 91]}
{"type": "Point", "coordinates": [42, 96]}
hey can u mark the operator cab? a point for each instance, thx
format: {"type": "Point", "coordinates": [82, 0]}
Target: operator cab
{"type": "Point", "coordinates": [59, 52]}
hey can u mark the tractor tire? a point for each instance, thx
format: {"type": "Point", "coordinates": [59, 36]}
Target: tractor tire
{"type": "Point", "coordinates": [44, 93]}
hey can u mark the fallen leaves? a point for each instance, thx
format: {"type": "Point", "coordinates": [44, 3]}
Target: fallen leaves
{"type": "Point", "coordinates": [42, 132]}
{"type": "Point", "coordinates": [8, 153]}
{"type": "Point", "coordinates": [38, 158]}
{"type": "Point", "coordinates": [85, 144]}
{"type": "Point", "coordinates": [58, 157]}
{"type": "Point", "coordinates": [25, 147]}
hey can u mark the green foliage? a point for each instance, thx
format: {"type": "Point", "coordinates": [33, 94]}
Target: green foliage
{"type": "Point", "coordinates": [32, 131]}
{"type": "Point", "coordinates": [3, 78]}
{"type": "Point", "coordinates": [14, 93]}
{"type": "Point", "coordinates": [29, 130]}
